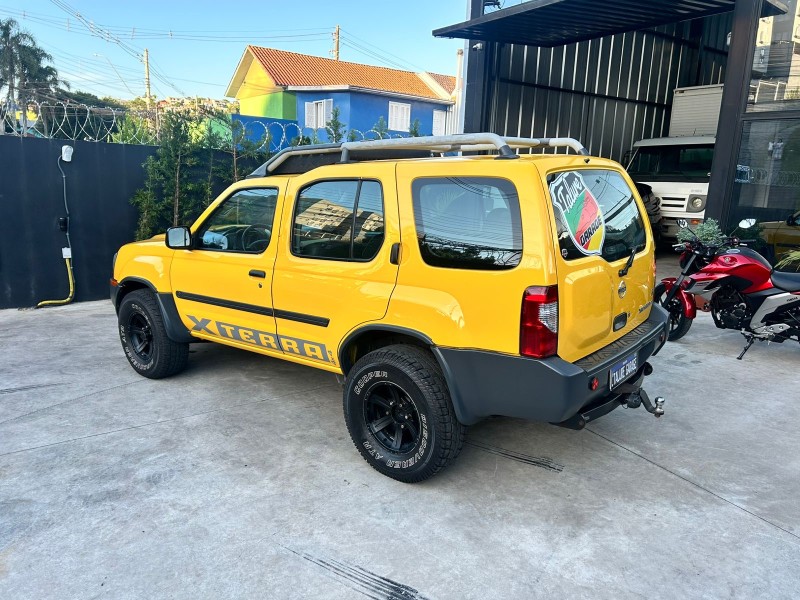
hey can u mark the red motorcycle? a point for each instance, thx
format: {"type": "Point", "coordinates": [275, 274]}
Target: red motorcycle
{"type": "Point", "coordinates": [737, 286]}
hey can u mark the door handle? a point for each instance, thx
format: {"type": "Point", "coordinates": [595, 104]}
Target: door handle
{"type": "Point", "coordinates": [257, 273]}
{"type": "Point", "coordinates": [394, 255]}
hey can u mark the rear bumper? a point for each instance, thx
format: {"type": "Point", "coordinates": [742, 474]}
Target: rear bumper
{"type": "Point", "coordinates": [483, 383]}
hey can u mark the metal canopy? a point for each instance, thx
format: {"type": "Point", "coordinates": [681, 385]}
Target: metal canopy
{"type": "Point", "coordinates": [551, 23]}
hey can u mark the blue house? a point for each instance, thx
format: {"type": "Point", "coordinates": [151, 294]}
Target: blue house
{"type": "Point", "coordinates": [299, 92]}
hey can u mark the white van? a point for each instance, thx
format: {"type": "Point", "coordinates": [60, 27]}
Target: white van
{"type": "Point", "coordinates": [678, 169]}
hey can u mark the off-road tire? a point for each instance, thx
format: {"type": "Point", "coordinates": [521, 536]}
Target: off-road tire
{"type": "Point", "coordinates": [679, 324]}
{"type": "Point", "coordinates": [410, 378]}
{"type": "Point", "coordinates": [144, 338]}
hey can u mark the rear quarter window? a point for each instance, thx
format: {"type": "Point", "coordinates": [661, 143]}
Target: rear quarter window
{"type": "Point", "coordinates": [596, 214]}
{"type": "Point", "coordinates": [468, 222]}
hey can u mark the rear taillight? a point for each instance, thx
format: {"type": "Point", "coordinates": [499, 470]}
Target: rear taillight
{"type": "Point", "coordinates": [538, 331]}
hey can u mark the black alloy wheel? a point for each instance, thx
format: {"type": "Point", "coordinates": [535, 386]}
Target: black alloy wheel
{"type": "Point", "coordinates": [141, 336]}
{"type": "Point", "coordinates": [399, 413]}
{"type": "Point", "coordinates": [392, 417]}
{"type": "Point", "coordinates": [147, 346]}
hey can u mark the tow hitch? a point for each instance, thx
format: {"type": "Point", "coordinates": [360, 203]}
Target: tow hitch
{"type": "Point", "coordinates": [628, 395]}
{"type": "Point", "coordinates": [635, 399]}
{"type": "Point", "coordinates": [633, 396]}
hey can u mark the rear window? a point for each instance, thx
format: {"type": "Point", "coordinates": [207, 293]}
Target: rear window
{"type": "Point", "coordinates": [596, 215]}
{"type": "Point", "coordinates": [468, 222]}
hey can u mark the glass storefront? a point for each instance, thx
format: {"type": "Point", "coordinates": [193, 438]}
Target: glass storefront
{"type": "Point", "coordinates": [775, 76]}
{"type": "Point", "coordinates": [767, 184]}
{"type": "Point", "coordinates": [767, 180]}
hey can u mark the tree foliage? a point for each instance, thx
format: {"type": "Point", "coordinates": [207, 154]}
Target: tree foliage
{"type": "Point", "coordinates": [335, 126]}
{"type": "Point", "coordinates": [381, 127]}
{"type": "Point", "coordinates": [25, 74]}
{"type": "Point", "coordinates": [79, 97]}
{"type": "Point", "coordinates": [198, 156]}
{"type": "Point", "coordinates": [134, 129]}
{"type": "Point", "coordinates": [790, 261]}
{"type": "Point", "coordinates": [707, 232]}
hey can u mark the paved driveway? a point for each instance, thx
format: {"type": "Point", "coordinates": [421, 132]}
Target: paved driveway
{"type": "Point", "coordinates": [237, 479]}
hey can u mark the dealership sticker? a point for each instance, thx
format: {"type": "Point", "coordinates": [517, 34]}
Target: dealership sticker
{"type": "Point", "coordinates": [580, 212]}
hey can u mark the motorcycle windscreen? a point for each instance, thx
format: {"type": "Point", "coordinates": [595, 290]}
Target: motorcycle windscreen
{"type": "Point", "coordinates": [600, 223]}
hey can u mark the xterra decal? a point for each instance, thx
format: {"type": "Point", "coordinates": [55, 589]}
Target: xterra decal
{"type": "Point", "coordinates": [579, 211]}
{"type": "Point", "coordinates": [263, 339]}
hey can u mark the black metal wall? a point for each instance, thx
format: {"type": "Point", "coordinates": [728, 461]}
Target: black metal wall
{"type": "Point", "coordinates": [100, 182]}
{"type": "Point", "coordinates": [608, 92]}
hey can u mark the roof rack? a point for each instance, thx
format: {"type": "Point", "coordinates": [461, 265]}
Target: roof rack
{"type": "Point", "coordinates": [305, 158]}
{"type": "Point", "coordinates": [466, 142]}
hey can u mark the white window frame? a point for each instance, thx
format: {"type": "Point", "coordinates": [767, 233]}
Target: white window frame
{"type": "Point", "coordinates": [399, 116]}
{"type": "Point", "coordinates": [318, 113]}
{"type": "Point", "coordinates": [442, 124]}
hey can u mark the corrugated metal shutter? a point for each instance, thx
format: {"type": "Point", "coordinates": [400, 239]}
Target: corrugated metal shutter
{"type": "Point", "coordinates": [695, 111]}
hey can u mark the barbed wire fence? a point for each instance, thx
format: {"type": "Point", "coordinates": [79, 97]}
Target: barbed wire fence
{"type": "Point", "coordinates": [63, 121]}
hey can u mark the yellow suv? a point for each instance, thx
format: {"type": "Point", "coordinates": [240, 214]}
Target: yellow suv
{"type": "Point", "coordinates": [444, 288]}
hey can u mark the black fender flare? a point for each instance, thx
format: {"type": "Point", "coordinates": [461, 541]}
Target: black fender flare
{"type": "Point", "coordinates": [176, 330]}
{"type": "Point", "coordinates": [462, 412]}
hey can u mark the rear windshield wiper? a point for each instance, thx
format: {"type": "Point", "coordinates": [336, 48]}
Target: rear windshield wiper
{"type": "Point", "coordinates": [624, 270]}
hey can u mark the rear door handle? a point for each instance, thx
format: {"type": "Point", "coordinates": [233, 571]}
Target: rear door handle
{"type": "Point", "coordinates": [257, 273]}
{"type": "Point", "coordinates": [394, 255]}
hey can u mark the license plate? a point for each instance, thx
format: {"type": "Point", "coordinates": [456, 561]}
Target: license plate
{"type": "Point", "coordinates": [622, 370]}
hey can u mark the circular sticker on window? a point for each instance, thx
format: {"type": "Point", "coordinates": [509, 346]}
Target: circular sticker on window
{"type": "Point", "coordinates": [579, 211]}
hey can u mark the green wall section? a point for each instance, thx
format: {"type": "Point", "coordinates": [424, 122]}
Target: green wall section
{"type": "Point", "coordinates": [278, 105]}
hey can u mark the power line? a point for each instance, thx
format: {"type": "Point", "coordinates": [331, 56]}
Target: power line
{"type": "Point", "coordinates": [138, 33]}
{"type": "Point", "coordinates": [108, 36]}
{"type": "Point", "coordinates": [125, 83]}
{"type": "Point", "coordinates": [381, 50]}
{"type": "Point", "coordinates": [388, 62]}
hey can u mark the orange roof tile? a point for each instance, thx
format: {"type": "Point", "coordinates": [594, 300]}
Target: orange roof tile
{"type": "Point", "coordinates": [293, 69]}
{"type": "Point", "coordinates": [448, 82]}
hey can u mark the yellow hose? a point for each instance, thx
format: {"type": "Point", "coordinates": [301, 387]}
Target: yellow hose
{"type": "Point", "coordinates": [68, 299]}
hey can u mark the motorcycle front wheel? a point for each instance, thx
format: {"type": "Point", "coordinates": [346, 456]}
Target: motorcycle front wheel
{"type": "Point", "coordinates": [679, 324]}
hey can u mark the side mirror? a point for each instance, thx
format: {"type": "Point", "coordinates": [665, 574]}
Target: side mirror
{"type": "Point", "coordinates": [178, 238]}
{"type": "Point", "coordinates": [746, 223]}
{"type": "Point", "coordinates": [792, 220]}
{"type": "Point", "coordinates": [683, 223]}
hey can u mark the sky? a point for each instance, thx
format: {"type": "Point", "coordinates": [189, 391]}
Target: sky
{"type": "Point", "coordinates": [194, 46]}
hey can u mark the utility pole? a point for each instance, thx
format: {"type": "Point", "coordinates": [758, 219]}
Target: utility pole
{"type": "Point", "coordinates": [336, 43]}
{"type": "Point", "coordinates": [147, 77]}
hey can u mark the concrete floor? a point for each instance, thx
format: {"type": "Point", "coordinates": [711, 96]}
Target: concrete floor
{"type": "Point", "coordinates": [237, 479]}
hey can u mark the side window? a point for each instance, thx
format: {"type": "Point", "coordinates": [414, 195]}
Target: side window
{"type": "Point", "coordinates": [340, 220]}
{"type": "Point", "coordinates": [468, 222]}
{"type": "Point", "coordinates": [242, 223]}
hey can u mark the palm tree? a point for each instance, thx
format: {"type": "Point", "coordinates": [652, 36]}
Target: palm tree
{"type": "Point", "coordinates": [13, 46]}
{"type": "Point", "coordinates": [24, 72]}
